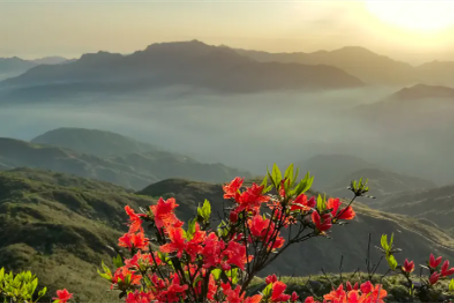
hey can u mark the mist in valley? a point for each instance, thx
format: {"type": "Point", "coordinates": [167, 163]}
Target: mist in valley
{"type": "Point", "coordinates": [247, 131]}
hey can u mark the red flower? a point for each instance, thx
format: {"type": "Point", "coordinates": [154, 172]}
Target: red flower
{"type": "Point", "coordinates": [310, 300]}
{"type": "Point", "coordinates": [231, 190]}
{"type": "Point", "coordinates": [294, 297]}
{"type": "Point", "coordinates": [270, 279]}
{"type": "Point", "coordinates": [346, 213]}
{"type": "Point", "coordinates": [63, 296]}
{"type": "Point", "coordinates": [277, 294]}
{"type": "Point", "coordinates": [135, 223]}
{"type": "Point", "coordinates": [139, 297]}
{"type": "Point", "coordinates": [434, 263]}
{"type": "Point", "coordinates": [301, 203]}
{"type": "Point", "coordinates": [408, 266]}
{"type": "Point", "coordinates": [178, 242]}
{"type": "Point", "coordinates": [366, 287]}
{"type": "Point", "coordinates": [236, 254]}
{"type": "Point", "coordinates": [164, 214]}
{"type": "Point", "coordinates": [252, 198]}
{"type": "Point", "coordinates": [132, 240]}
{"type": "Point", "coordinates": [445, 271]}
{"type": "Point", "coordinates": [253, 299]}
{"type": "Point", "coordinates": [349, 286]}
{"type": "Point", "coordinates": [321, 226]}
{"type": "Point", "coordinates": [434, 278]}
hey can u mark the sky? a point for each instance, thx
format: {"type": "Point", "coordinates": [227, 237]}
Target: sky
{"type": "Point", "coordinates": [412, 31]}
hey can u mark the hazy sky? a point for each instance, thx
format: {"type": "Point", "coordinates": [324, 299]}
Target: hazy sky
{"type": "Point", "coordinates": [414, 31]}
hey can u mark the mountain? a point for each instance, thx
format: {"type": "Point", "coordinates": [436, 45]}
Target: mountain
{"type": "Point", "coordinates": [435, 204]}
{"type": "Point", "coordinates": [416, 237]}
{"type": "Point", "coordinates": [381, 182]}
{"type": "Point", "coordinates": [179, 63]}
{"type": "Point", "coordinates": [16, 153]}
{"type": "Point", "coordinates": [132, 170]}
{"type": "Point", "coordinates": [366, 65]}
{"type": "Point", "coordinates": [50, 60]}
{"type": "Point", "coordinates": [357, 61]}
{"type": "Point", "coordinates": [61, 228]}
{"type": "Point", "coordinates": [12, 67]}
{"type": "Point", "coordinates": [92, 141]}
{"type": "Point", "coordinates": [331, 168]}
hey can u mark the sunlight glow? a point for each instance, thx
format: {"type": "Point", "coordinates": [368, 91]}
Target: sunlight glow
{"type": "Point", "coordinates": [414, 15]}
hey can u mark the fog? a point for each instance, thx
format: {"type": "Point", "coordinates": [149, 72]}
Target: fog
{"type": "Point", "coordinates": [247, 131]}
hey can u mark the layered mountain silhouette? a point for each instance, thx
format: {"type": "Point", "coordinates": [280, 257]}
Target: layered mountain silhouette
{"type": "Point", "coordinates": [182, 63]}
{"type": "Point", "coordinates": [366, 65]}
{"type": "Point", "coordinates": [96, 154]}
{"type": "Point", "coordinates": [93, 141]}
{"type": "Point", "coordinates": [13, 67]}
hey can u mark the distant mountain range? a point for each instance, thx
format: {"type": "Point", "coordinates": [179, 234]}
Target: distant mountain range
{"type": "Point", "coordinates": [98, 155]}
{"type": "Point", "coordinates": [366, 65]}
{"type": "Point", "coordinates": [182, 63]}
{"type": "Point", "coordinates": [13, 67]}
{"type": "Point", "coordinates": [334, 172]}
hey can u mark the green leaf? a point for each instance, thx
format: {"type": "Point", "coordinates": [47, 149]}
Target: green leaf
{"type": "Point", "coordinates": [216, 273]}
{"type": "Point", "coordinates": [267, 291]}
{"type": "Point", "coordinates": [206, 210]}
{"type": "Point", "coordinates": [106, 269]}
{"type": "Point", "coordinates": [117, 261]}
{"type": "Point", "coordinates": [271, 177]}
{"type": "Point", "coordinates": [288, 175]}
{"type": "Point", "coordinates": [321, 205]}
{"type": "Point", "coordinates": [104, 275]}
{"type": "Point", "coordinates": [277, 176]}
{"type": "Point", "coordinates": [392, 262]}
{"type": "Point", "coordinates": [451, 285]}
{"type": "Point", "coordinates": [191, 229]}
{"type": "Point", "coordinates": [42, 293]}
{"type": "Point", "coordinates": [384, 242]}
{"type": "Point", "coordinates": [264, 182]}
{"type": "Point", "coordinates": [295, 178]}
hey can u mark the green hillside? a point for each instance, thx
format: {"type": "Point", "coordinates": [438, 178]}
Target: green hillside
{"type": "Point", "coordinates": [434, 204]}
{"type": "Point", "coordinates": [61, 228]}
{"type": "Point", "coordinates": [93, 141]}
{"type": "Point", "coordinates": [135, 170]}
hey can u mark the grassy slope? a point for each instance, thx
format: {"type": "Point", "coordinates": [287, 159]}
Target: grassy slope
{"type": "Point", "coordinates": [61, 227]}
{"type": "Point", "coordinates": [435, 204]}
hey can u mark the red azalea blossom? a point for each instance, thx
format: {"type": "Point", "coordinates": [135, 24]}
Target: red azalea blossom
{"type": "Point", "coordinates": [277, 293]}
{"type": "Point", "coordinates": [135, 222]}
{"type": "Point", "coordinates": [321, 223]}
{"type": "Point", "coordinates": [231, 189]}
{"type": "Point", "coordinates": [294, 297]}
{"type": "Point", "coordinates": [346, 213]}
{"type": "Point", "coordinates": [178, 242]}
{"type": "Point", "coordinates": [434, 278]}
{"type": "Point", "coordinates": [408, 266]}
{"type": "Point", "coordinates": [163, 213]}
{"type": "Point", "coordinates": [434, 263]}
{"type": "Point", "coordinates": [63, 296]}
{"type": "Point", "coordinates": [445, 270]}
{"type": "Point", "coordinates": [133, 240]}
{"type": "Point", "coordinates": [271, 279]}
{"type": "Point", "coordinates": [350, 287]}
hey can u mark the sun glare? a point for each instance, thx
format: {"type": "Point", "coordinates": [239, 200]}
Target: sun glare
{"type": "Point", "coordinates": [414, 15]}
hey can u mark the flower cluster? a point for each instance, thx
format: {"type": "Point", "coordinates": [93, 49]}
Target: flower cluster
{"type": "Point", "coordinates": [366, 293]}
{"type": "Point", "coordinates": [428, 290]}
{"type": "Point", "coordinates": [173, 262]}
